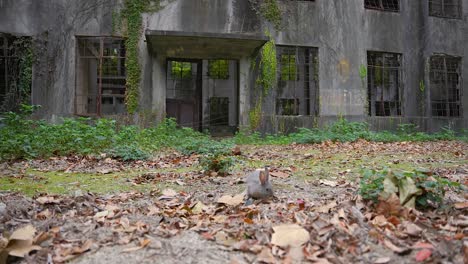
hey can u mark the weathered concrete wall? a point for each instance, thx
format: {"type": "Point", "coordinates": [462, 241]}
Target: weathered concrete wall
{"type": "Point", "coordinates": [343, 32]}
{"type": "Point", "coordinates": [53, 24]}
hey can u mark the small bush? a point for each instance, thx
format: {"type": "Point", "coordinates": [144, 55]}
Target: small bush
{"type": "Point", "coordinates": [426, 189]}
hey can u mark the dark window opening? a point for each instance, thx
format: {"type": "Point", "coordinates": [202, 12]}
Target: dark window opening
{"type": "Point", "coordinates": [445, 82]}
{"type": "Point", "coordinates": [101, 76]}
{"type": "Point", "coordinates": [297, 92]}
{"type": "Point", "coordinates": [445, 8]}
{"type": "Point", "coordinates": [289, 107]}
{"type": "Point", "coordinates": [384, 89]}
{"type": "Point", "coordinates": [15, 72]}
{"type": "Point", "coordinates": [383, 5]}
{"type": "Point", "coordinates": [218, 69]}
{"type": "Point", "coordinates": [219, 111]}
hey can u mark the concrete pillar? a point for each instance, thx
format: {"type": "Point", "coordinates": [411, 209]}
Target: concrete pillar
{"type": "Point", "coordinates": [244, 91]}
{"type": "Point", "coordinates": [158, 105]}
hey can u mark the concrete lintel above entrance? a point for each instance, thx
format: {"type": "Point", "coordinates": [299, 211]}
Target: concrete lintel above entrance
{"type": "Point", "coordinates": [196, 45]}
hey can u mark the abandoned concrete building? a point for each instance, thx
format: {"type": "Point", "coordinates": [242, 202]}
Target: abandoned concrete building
{"type": "Point", "coordinates": [222, 65]}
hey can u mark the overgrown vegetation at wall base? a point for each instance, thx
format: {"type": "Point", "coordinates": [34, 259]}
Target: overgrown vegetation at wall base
{"type": "Point", "coordinates": [345, 131]}
{"type": "Point", "coordinates": [23, 138]}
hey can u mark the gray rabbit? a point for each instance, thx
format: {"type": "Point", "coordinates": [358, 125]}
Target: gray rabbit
{"type": "Point", "coordinates": [259, 185]}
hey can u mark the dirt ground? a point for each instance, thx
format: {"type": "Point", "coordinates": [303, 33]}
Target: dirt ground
{"type": "Point", "coordinates": [167, 210]}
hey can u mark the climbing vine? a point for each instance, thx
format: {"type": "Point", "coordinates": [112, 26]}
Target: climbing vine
{"type": "Point", "coordinates": [255, 115]}
{"type": "Point", "coordinates": [270, 10]}
{"type": "Point", "coordinates": [268, 65]}
{"type": "Point", "coordinates": [131, 20]}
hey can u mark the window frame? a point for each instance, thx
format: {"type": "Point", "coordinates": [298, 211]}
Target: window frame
{"type": "Point", "coordinates": [382, 7]}
{"type": "Point", "coordinates": [385, 71]}
{"type": "Point", "coordinates": [307, 80]}
{"type": "Point", "coordinates": [445, 73]}
{"type": "Point", "coordinates": [443, 14]}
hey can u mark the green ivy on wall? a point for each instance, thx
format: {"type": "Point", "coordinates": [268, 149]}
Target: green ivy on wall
{"type": "Point", "coordinates": [129, 21]}
{"type": "Point", "coordinates": [268, 66]}
{"type": "Point", "coordinates": [270, 10]}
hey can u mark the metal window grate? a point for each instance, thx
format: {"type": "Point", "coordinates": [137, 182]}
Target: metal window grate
{"type": "Point", "coordinates": [445, 82]}
{"type": "Point", "coordinates": [384, 91]}
{"type": "Point", "coordinates": [383, 5]}
{"type": "Point", "coordinates": [297, 81]}
{"type": "Point", "coordinates": [101, 76]}
{"type": "Point", "coordinates": [445, 8]}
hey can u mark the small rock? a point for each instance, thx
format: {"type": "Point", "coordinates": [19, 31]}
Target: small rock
{"type": "Point", "coordinates": [2, 209]}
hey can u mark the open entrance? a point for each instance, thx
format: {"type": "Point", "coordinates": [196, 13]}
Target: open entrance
{"type": "Point", "coordinates": [203, 94]}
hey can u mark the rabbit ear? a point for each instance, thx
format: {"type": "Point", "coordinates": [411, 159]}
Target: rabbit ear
{"type": "Point", "coordinates": [263, 177]}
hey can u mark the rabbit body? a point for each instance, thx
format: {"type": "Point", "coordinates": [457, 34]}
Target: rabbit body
{"type": "Point", "coordinates": [259, 185]}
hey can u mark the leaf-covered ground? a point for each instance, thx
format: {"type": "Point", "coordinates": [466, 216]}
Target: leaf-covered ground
{"type": "Point", "coordinates": [166, 210]}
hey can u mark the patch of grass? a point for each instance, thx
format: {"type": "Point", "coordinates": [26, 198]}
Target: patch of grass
{"type": "Point", "coordinates": [345, 131]}
{"type": "Point", "coordinates": [69, 183]}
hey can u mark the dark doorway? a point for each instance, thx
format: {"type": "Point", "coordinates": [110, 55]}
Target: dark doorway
{"type": "Point", "coordinates": [183, 92]}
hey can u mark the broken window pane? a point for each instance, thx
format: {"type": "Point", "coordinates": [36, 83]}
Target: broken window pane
{"type": "Point", "coordinates": [384, 83]}
{"type": "Point", "coordinates": [297, 81]}
{"type": "Point", "coordinates": [383, 5]}
{"type": "Point", "coordinates": [445, 86]}
{"type": "Point", "coordinates": [101, 76]}
{"type": "Point", "coordinates": [445, 8]}
{"type": "Point", "coordinates": [218, 69]}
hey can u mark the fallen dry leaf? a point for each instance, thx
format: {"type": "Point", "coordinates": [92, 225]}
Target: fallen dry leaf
{"type": "Point", "coordinates": [423, 255]}
{"type": "Point", "coordinates": [169, 192]}
{"type": "Point", "coordinates": [382, 260]}
{"type": "Point", "coordinates": [289, 235]}
{"type": "Point", "coordinates": [143, 244]}
{"type": "Point", "coordinates": [328, 183]}
{"type": "Point", "coordinates": [266, 257]}
{"type": "Point", "coordinates": [326, 208]}
{"type": "Point", "coordinates": [279, 174]}
{"type": "Point", "coordinates": [21, 242]}
{"type": "Point", "coordinates": [396, 249]}
{"type": "Point", "coordinates": [230, 200]}
{"type": "Point", "coordinates": [461, 206]}
{"type": "Point", "coordinates": [412, 229]}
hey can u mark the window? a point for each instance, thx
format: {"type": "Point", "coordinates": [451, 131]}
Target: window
{"type": "Point", "coordinates": [383, 5]}
{"type": "Point", "coordinates": [287, 106]}
{"type": "Point", "coordinates": [15, 61]}
{"type": "Point", "coordinates": [218, 69]}
{"type": "Point", "coordinates": [384, 83]}
{"type": "Point", "coordinates": [288, 65]}
{"type": "Point", "coordinates": [181, 70]}
{"type": "Point", "coordinates": [297, 91]}
{"type": "Point", "coordinates": [101, 81]}
{"type": "Point", "coordinates": [445, 82]}
{"type": "Point", "coordinates": [445, 8]}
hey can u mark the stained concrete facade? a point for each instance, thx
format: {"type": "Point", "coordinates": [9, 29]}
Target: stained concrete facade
{"type": "Point", "coordinates": [343, 32]}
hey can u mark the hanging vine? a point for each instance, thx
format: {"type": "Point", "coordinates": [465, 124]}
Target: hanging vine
{"type": "Point", "coordinates": [130, 22]}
